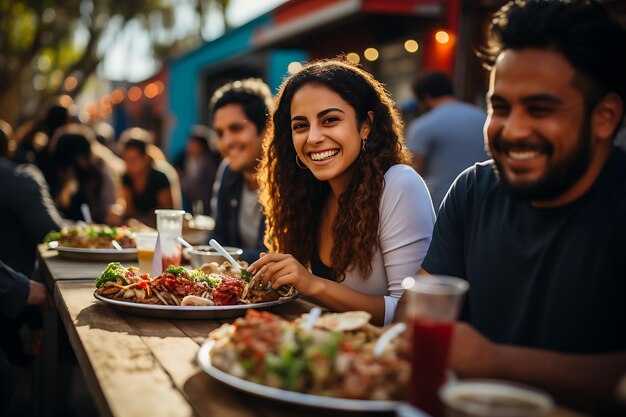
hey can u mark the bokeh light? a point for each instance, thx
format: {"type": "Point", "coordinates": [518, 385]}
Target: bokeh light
{"type": "Point", "coordinates": [43, 63]}
{"type": "Point", "coordinates": [442, 37]}
{"type": "Point", "coordinates": [411, 46]}
{"type": "Point", "coordinates": [151, 91]}
{"type": "Point", "coordinates": [160, 86]}
{"type": "Point", "coordinates": [70, 83]}
{"type": "Point", "coordinates": [39, 82]}
{"type": "Point", "coordinates": [294, 67]}
{"type": "Point", "coordinates": [353, 57]}
{"type": "Point", "coordinates": [134, 93]}
{"type": "Point", "coordinates": [117, 96]}
{"type": "Point", "coordinates": [371, 54]}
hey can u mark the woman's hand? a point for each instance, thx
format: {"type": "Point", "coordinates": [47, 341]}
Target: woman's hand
{"type": "Point", "coordinates": [284, 269]}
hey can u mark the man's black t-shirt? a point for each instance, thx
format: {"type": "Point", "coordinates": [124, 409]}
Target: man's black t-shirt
{"type": "Point", "coordinates": [145, 201]}
{"type": "Point", "coordinates": [546, 278]}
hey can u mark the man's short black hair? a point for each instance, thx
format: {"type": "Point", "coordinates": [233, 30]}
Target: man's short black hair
{"type": "Point", "coordinates": [252, 94]}
{"type": "Point", "coordinates": [136, 144]}
{"type": "Point", "coordinates": [583, 31]}
{"type": "Point", "coordinates": [432, 84]}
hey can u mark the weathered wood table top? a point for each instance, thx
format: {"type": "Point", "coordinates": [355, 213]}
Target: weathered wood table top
{"type": "Point", "coordinates": [138, 366]}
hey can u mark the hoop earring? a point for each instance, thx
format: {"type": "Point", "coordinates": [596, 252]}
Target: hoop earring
{"type": "Point", "coordinates": [299, 163]}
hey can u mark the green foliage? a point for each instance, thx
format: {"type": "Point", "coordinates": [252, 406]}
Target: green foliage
{"type": "Point", "coordinates": [68, 34]}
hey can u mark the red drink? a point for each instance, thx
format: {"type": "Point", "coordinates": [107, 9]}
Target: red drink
{"type": "Point", "coordinates": [430, 342]}
{"type": "Point", "coordinates": [172, 259]}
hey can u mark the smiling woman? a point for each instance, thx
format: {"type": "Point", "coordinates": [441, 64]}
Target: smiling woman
{"type": "Point", "coordinates": [347, 218]}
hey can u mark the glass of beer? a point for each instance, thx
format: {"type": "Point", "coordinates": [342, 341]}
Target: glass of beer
{"type": "Point", "coordinates": [146, 242]}
{"type": "Point", "coordinates": [433, 304]}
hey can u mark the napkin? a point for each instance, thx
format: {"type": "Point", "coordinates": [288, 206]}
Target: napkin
{"type": "Point", "coordinates": [157, 262]}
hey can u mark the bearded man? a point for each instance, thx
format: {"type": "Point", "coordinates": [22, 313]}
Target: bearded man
{"type": "Point", "coordinates": [539, 232]}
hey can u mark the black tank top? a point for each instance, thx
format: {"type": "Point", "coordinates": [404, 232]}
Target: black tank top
{"type": "Point", "coordinates": [319, 268]}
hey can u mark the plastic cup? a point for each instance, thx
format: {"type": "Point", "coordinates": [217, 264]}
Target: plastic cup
{"type": "Point", "coordinates": [493, 398]}
{"type": "Point", "coordinates": [433, 304]}
{"type": "Point", "coordinates": [170, 227]}
{"type": "Point", "coordinates": [145, 242]}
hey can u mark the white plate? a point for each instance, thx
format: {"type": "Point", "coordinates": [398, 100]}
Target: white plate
{"type": "Point", "coordinates": [309, 400]}
{"type": "Point", "coordinates": [189, 312]}
{"type": "Point", "coordinates": [95, 254]}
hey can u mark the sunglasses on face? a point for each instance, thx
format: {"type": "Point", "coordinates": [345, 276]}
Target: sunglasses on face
{"type": "Point", "coordinates": [233, 128]}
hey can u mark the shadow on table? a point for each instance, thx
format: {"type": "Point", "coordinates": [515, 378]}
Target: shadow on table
{"type": "Point", "coordinates": [103, 317]}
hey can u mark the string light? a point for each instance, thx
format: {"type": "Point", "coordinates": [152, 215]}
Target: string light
{"type": "Point", "coordinates": [371, 54]}
{"type": "Point", "coordinates": [294, 67]}
{"type": "Point", "coordinates": [442, 37]}
{"type": "Point", "coordinates": [353, 57]}
{"type": "Point", "coordinates": [411, 46]}
{"type": "Point", "coordinates": [151, 91]}
{"type": "Point", "coordinates": [134, 94]}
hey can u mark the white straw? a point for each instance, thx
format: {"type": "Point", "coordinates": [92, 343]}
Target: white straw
{"type": "Point", "coordinates": [184, 242]}
{"type": "Point", "coordinates": [314, 314]}
{"type": "Point", "coordinates": [387, 337]}
{"type": "Point", "coordinates": [84, 208]}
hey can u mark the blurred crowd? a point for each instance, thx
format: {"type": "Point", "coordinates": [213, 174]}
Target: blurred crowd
{"type": "Point", "coordinates": [117, 178]}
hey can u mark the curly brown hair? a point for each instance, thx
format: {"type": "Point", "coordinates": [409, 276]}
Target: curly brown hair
{"type": "Point", "coordinates": [294, 199]}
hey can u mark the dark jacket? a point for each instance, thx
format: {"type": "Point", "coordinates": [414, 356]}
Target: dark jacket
{"type": "Point", "coordinates": [226, 230]}
{"type": "Point", "coordinates": [27, 213]}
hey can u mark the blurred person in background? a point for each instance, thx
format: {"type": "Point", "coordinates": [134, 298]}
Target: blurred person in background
{"type": "Point", "coordinates": [33, 138]}
{"type": "Point", "coordinates": [105, 135]}
{"type": "Point", "coordinates": [159, 161]}
{"type": "Point", "coordinates": [447, 137]}
{"type": "Point", "coordinates": [239, 112]}
{"type": "Point", "coordinates": [83, 176]}
{"type": "Point", "coordinates": [144, 188]}
{"type": "Point", "coordinates": [27, 211]}
{"type": "Point", "coordinates": [348, 218]}
{"type": "Point", "coordinates": [197, 170]}
{"type": "Point", "coordinates": [104, 147]}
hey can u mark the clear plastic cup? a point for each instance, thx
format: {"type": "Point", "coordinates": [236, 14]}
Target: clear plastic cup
{"type": "Point", "coordinates": [146, 243]}
{"type": "Point", "coordinates": [432, 307]}
{"type": "Point", "coordinates": [170, 227]}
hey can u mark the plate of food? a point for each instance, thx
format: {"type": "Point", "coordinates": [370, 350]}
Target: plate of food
{"type": "Point", "coordinates": [210, 292]}
{"type": "Point", "coordinates": [332, 366]}
{"type": "Point", "coordinates": [93, 242]}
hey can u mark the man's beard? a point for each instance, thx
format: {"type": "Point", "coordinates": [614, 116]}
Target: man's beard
{"type": "Point", "coordinates": [559, 175]}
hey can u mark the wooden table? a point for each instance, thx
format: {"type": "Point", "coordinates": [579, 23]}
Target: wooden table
{"type": "Point", "coordinates": [137, 366]}
{"type": "Point", "coordinates": [145, 366]}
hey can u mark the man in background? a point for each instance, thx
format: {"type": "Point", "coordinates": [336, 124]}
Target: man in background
{"type": "Point", "coordinates": [447, 138]}
{"type": "Point", "coordinates": [239, 112]}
